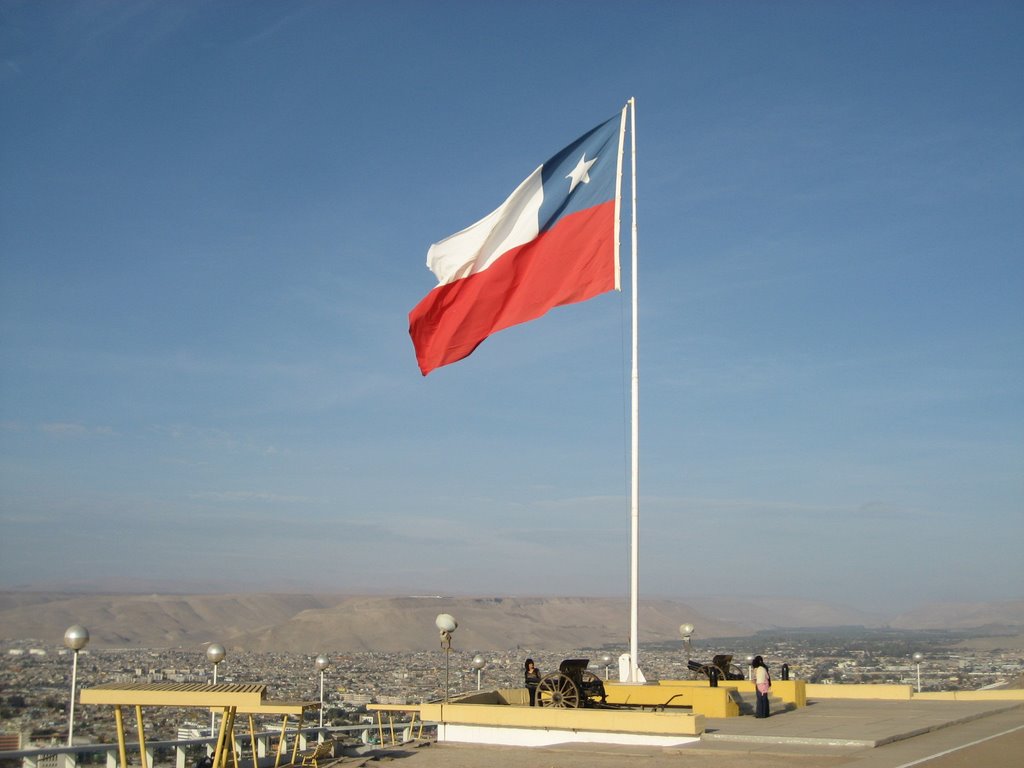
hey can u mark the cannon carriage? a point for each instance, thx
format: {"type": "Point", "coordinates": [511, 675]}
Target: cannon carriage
{"type": "Point", "coordinates": [720, 668]}
{"type": "Point", "coordinates": [573, 686]}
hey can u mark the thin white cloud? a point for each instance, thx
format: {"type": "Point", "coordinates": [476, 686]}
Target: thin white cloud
{"type": "Point", "coordinates": [246, 497]}
{"type": "Point", "coordinates": [63, 428]}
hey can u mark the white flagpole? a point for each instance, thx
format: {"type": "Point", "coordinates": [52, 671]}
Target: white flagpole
{"type": "Point", "coordinates": [634, 507]}
{"type": "Point", "coordinates": [618, 197]}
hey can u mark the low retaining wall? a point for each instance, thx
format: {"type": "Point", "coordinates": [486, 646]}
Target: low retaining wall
{"type": "Point", "coordinates": [896, 692]}
{"type": "Point", "coordinates": [890, 692]}
{"type": "Point", "coordinates": [702, 699]}
{"type": "Point", "coordinates": [790, 691]}
{"type": "Point", "coordinates": [534, 726]}
{"type": "Point", "coordinates": [1003, 694]}
{"type": "Point", "coordinates": [664, 723]}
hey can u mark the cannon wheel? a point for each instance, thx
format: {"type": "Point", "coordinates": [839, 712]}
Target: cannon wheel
{"type": "Point", "coordinates": [734, 672]}
{"type": "Point", "coordinates": [557, 690]}
{"type": "Point", "coordinates": [592, 682]}
{"type": "Point", "coordinates": [706, 669]}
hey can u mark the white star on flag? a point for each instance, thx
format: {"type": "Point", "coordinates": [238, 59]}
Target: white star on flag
{"type": "Point", "coordinates": [579, 173]}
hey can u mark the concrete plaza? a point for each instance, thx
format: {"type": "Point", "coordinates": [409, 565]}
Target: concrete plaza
{"type": "Point", "coordinates": [857, 734]}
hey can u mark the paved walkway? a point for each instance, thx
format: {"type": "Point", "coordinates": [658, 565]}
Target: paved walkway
{"type": "Point", "coordinates": [846, 723]}
{"type": "Point", "coordinates": [825, 734]}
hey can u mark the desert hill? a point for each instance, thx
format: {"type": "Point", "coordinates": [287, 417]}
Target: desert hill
{"type": "Point", "coordinates": [150, 621]}
{"type": "Point", "coordinates": [311, 623]}
{"type": "Point", "coordinates": [493, 623]}
{"type": "Point", "coordinates": [786, 612]}
{"type": "Point", "coordinates": [962, 615]}
{"type": "Point", "coordinates": [314, 623]}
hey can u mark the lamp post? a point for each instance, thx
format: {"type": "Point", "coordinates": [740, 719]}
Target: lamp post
{"type": "Point", "coordinates": [322, 663]}
{"type": "Point", "coordinates": [479, 662]}
{"type": "Point", "coordinates": [918, 657]}
{"type": "Point", "coordinates": [750, 669]}
{"type": "Point", "coordinates": [75, 638]}
{"type": "Point", "coordinates": [447, 624]}
{"type": "Point", "coordinates": [686, 630]}
{"type": "Point", "coordinates": [214, 654]}
{"type": "Point", "coordinates": [606, 659]}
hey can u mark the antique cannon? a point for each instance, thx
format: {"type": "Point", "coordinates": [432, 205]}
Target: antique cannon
{"type": "Point", "coordinates": [721, 667]}
{"type": "Point", "coordinates": [572, 687]}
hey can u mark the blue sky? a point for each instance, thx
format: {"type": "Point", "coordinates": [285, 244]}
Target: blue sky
{"type": "Point", "coordinates": [213, 223]}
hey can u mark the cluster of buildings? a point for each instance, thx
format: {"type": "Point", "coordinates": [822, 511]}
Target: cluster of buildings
{"type": "Point", "coordinates": [35, 678]}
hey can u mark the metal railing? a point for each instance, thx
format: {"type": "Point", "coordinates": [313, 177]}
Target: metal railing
{"type": "Point", "coordinates": [69, 757]}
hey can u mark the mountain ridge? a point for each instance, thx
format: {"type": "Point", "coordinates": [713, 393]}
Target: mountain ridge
{"type": "Point", "coordinates": [311, 623]}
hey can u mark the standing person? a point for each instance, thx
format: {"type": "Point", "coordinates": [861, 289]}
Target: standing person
{"type": "Point", "coordinates": [532, 681]}
{"type": "Point", "coordinates": [763, 684]}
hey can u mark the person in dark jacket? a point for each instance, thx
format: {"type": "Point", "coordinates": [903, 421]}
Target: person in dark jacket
{"type": "Point", "coordinates": [532, 677]}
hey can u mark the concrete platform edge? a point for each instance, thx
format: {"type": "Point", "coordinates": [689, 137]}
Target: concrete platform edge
{"type": "Point", "coordinates": [811, 741]}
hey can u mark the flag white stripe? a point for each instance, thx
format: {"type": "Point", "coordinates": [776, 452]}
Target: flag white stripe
{"type": "Point", "coordinates": [514, 223]}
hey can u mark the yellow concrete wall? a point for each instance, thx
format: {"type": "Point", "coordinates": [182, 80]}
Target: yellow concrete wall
{"type": "Point", "coordinates": [1003, 694]}
{"type": "Point", "coordinates": [515, 696]}
{"type": "Point", "coordinates": [710, 703]}
{"type": "Point", "coordinates": [480, 697]}
{"type": "Point", "coordinates": [649, 695]}
{"type": "Point", "coordinates": [790, 691]}
{"type": "Point", "coordinates": [704, 700]}
{"type": "Point", "coordinates": [604, 720]}
{"type": "Point", "coordinates": [736, 685]}
{"type": "Point", "coordinates": [508, 696]}
{"type": "Point", "coordinates": [799, 691]}
{"type": "Point", "coordinates": [887, 691]}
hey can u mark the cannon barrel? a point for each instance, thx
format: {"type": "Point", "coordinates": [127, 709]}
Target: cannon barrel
{"type": "Point", "coordinates": [721, 667]}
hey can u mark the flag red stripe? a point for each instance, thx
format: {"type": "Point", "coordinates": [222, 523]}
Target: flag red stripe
{"type": "Point", "coordinates": [572, 262]}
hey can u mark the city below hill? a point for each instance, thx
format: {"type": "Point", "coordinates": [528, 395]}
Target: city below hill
{"type": "Point", "coordinates": [311, 623]}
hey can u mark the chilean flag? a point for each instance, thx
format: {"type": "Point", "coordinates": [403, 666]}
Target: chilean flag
{"type": "Point", "coordinates": [552, 242]}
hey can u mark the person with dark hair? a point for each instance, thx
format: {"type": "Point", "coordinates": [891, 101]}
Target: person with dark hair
{"type": "Point", "coordinates": [762, 684]}
{"type": "Point", "coordinates": [532, 681]}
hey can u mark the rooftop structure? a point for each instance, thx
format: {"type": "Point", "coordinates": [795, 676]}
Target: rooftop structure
{"type": "Point", "coordinates": [231, 699]}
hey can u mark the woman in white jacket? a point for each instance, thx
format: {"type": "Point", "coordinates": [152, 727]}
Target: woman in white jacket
{"type": "Point", "coordinates": [763, 684]}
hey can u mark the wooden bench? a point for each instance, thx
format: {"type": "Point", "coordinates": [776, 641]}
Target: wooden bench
{"type": "Point", "coordinates": [326, 754]}
{"type": "Point", "coordinates": [314, 757]}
